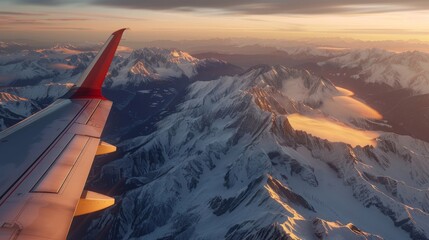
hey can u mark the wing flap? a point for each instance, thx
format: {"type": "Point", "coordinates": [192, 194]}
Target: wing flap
{"type": "Point", "coordinates": [48, 215]}
{"type": "Point", "coordinates": [105, 148]}
{"type": "Point", "coordinates": [88, 112]}
{"type": "Point", "coordinates": [56, 175]}
{"type": "Point", "coordinates": [92, 202]}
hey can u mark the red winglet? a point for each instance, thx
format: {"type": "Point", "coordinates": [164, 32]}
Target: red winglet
{"type": "Point", "coordinates": [89, 85]}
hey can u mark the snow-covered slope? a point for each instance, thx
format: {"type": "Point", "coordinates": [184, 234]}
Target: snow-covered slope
{"type": "Point", "coordinates": [313, 95]}
{"type": "Point", "coordinates": [64, 63]}
{"type": "Point", "coordinates": [8, 47]}
{"type": "Point", "coordinates": [154, 64]}
{"type": "Point", "coordinates": [17, 103]}
{"type": "Point", "coordinates": [228, 165]}
{"type": "Point", "coordinates": [315, 51]}
{"type": "Point", "coordinates": [32, 67]}
{"type": "Point", "coordinates": [398, 70]}
{"type": "Point", "coordinates": [43, 75]}
{"type": "Point", "coordinates": [41, 93]}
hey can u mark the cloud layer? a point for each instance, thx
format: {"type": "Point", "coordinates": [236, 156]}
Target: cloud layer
{"type": "Point", "coordinates": [271, 6]}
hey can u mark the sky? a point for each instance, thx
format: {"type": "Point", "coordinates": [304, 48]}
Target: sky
{"type": "Point", "coordinates": [93, 20]}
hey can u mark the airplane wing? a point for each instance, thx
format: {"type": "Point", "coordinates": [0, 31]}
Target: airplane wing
{"type": "Point", "coordinates": [45, 159]}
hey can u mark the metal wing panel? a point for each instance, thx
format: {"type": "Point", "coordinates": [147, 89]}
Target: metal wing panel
{"type": "Point", "coordinates": [56, 175]}
{"type": "Point", "coordinates": [29, 140]}
{"type": "Point", "coordinates": [48, 215]}
{"type": "Point", "coordinates": [42, 203]}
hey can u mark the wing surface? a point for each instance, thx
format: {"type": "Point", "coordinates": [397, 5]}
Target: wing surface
{"type": "Point", "coordinates": [45, 159]}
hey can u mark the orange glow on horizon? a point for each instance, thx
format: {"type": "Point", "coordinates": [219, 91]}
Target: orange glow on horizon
{"type": "Point", "coordinates": [83, 21]}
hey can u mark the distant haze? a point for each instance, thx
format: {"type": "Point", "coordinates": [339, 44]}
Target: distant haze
{"type": "Point", "coordinates": [395, 25]}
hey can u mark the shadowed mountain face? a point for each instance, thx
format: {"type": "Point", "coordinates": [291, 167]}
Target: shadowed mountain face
{"type": "Point", "coordinates": [273, 58]}
{"type": "Point", "coordinates": [411, 116]}
{"type": "Point", "coordinates": [209, 151]}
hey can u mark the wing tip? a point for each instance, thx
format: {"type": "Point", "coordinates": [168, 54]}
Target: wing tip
{"type": "Point", "coordinates": [92, 83]}
{"type": "Point", "coordinates": [120, 31]}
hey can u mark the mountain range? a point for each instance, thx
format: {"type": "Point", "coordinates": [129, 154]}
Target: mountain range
{"type": "Point", "coordinates": [209, 150]}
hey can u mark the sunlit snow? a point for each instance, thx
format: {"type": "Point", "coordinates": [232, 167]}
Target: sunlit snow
{"type": "Point", "coordinates": [345, 107]}
{"type": "Point", "coordinates": [62, 66]}
{"type": "Point", "coordinates": [332, 131]}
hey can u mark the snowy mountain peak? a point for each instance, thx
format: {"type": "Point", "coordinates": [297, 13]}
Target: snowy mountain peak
{"type": "Point", "coordinates": [315, 51]}
{"type": "Point", "coordinates": [358, 58]}
{"type": "Point", "coordinates": [15, 107]}
{"type": "Point", "coordinates": [179, 56]}
{"type": "Point", "coordinates": [298, 85]}
{"type": "Point", "coordinates": [139, 68]}
{"type": "Point", "coordinates": [64, 45]}
{"type": "Point", "coordinates": [11, 44]}
{"type": "Point", "coordinates": [60, 50]}
{"type": "Point", "coordinates": [11, 47]}
{"type": "Point", "coordinates": [149, 64]}
{"type": "Point", "coordinates": [163, 55]}
{"type": "Point", "coordinates": [7, 97]}
{"type": "Point", "coordinates": [398, 70]}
